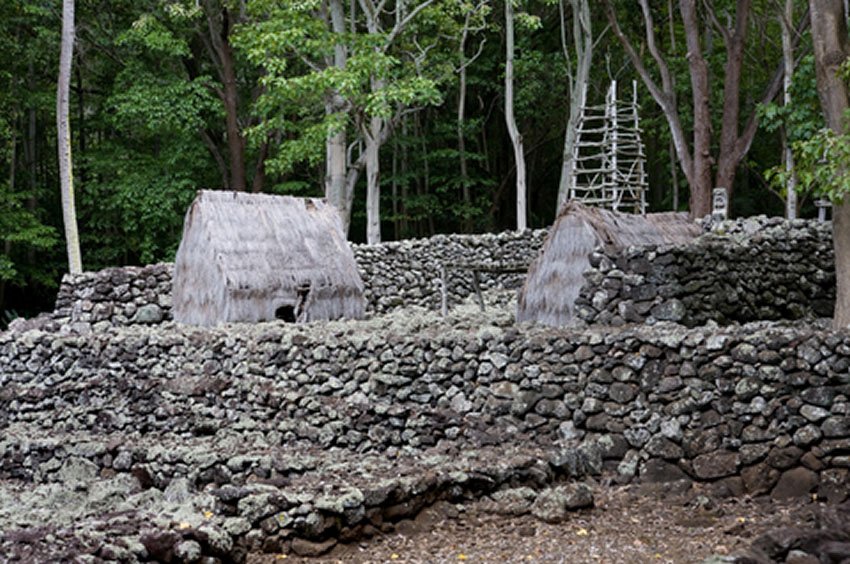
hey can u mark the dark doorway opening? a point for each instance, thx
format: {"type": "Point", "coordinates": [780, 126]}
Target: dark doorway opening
{"type": "Point", "coordinates": [285, 313]}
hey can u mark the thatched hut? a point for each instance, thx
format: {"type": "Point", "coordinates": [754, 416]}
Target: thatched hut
{"type": "Point", "coordinates": [556, 277]}
{"type": "Point", "coordinates": [256, 257]}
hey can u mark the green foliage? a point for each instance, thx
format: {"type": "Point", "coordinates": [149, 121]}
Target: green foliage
{"type": "Point", "coordinates": [822, 165]}
{"type": "Point", "coordinates": [20, 227]}
{"type": "Point", "coordinates": [148, 115]}
{"type": "Point", "coordinates": [148, 104]}
{"type": "Point", "coordinates": [149, 34]}
{"type": "Point", "coordinates": [296, 48]}
{"type": "Point", "coordinates": [802, 119]}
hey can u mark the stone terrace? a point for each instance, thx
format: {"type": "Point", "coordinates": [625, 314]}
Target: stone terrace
{"type": "Point", "coordinates": [177, 442]}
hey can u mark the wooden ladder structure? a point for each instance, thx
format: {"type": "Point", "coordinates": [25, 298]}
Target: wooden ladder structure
{"type": "Point", "coordinates": [609, 158]}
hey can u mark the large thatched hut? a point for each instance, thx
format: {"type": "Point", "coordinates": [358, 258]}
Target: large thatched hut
{"type": "Point", "coordinates": [255, 257]}
{"type": "Point", "coordinates": [556, 277]}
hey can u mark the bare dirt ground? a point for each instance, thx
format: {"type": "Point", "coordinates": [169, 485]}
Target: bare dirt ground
{"type": "Point", "coordinates": [627, 525]}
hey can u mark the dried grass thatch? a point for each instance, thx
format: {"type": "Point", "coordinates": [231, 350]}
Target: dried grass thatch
{"type": "Point", "coordinates": [556, 277]}
{"type": "Point", "coordinates": [255, 257]}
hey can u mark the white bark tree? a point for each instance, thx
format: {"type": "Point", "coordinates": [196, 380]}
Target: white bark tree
{"type": "Point", "coordinates": [787, 21]}
{"type": "Point", "coordinates": [335, 146]}
{"type": "Point", "coordinates": [510, 118]}
{"type": "Point", "coordinates": [470, 25]}
{"type": "Point", "coordinates": [583, 46]}
{"type": "Point", "coordinates": [376, 128]}
{"type": "Point", "coordinates": [373, 177]}
{"type": "Point", "coordinates": [63, 128]}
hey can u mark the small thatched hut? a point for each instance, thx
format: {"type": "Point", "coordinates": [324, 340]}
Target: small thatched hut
{"type": "Point", "coordinates": [556, 277]}
{"type": "Point", "coordinates": [256, 257]}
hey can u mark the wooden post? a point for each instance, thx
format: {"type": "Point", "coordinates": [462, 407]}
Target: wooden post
{"type": "Point", "coordinates": [615, 125]}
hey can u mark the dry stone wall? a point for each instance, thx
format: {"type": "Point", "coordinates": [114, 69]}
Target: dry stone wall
{"type": "Point", "coordinates": [395, 274]}
{"type": "Point", "coordinates": [227, 441]}
{"type": "Point", "coordinates": [753, 269]}
{"type": "Point", "coordinates": [116, 296]}
{"type": "Point", "coordinates": [406, 273]}
{"type": "Point", "coordinates": [744, 270]}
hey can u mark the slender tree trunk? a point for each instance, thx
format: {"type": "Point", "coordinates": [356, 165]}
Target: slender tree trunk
{"type": "Point", "coordinates": [373, 180]}
{"type": "Point", "coordinates": [13, 169]}
{"type": "Point", "coordinates": [513, 130]}
{"type": "Point", "coordinates": [396, 225]}
{"type": "Point", "coordinates": [583, 39]}
{"type": "Point", "coordinates": [405, 170]}
{"type": "Point", "coordinates": [426, 170]}
{"type": "Point", "coordinates": [788, 155]}
{"type": "Point", "coordinates": [31, 144]}
{"type": "Point", "coordinates": [466, 221]}
{"type": "Point", "coordinates": [235, 141]}
{"type": "Point", "coordinates": [700, 201]}
{"type": "Point", "coordinates": [336, 144]}
{"type": "Point", "coordinates": [674, 171]}
{"type": "Point", "coordinates": [832, 48]}
{"type": "Point", "coordinates": [63, 127]}
{"type": "Point", "coordinates": [13, 154]}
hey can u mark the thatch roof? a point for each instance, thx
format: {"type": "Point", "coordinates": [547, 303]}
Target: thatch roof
{"type": "Point", "coordinates": [255, 257]}
{"type": "Point", "coordinates": [556, 277]}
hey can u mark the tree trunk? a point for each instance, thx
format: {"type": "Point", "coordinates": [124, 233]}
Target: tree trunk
{"type": "Point", "coordinates": [396, 208]}
{"type": "Point", "coordinates": [405, 170]}
{"type": "Point", "coordinates": [664, 93]}
{"type": "Point", "coordinates": [235, 141]}
{"type": "Point", "coordinates": [788, 155]}
{"type": "Point", "coordinates": [218, 23]}
{"type": "Point", "coordinates": [832, 48]}
{"type": "Point", "coordinates": [13, 170]}
{"type": "Point", "coordinates": [466, 220]}
{"type": "Point", "coordinates": [675, 174]}
{"type": "Point", "coordinates": [729, 155]}
{"type": "Point", "coordinates": [63, 128]}
{"type": "Point", "coordinates": [510, 118]}
{"type": "Point", "coordinates": [700, 201]}
{"type": "Point", "coordinates": [583, 39]}
{"type": "Point", "coordinates": [335, 174]}
{"type": "Point", "coordinates": [336, 144]}
{"type": "Point", "coordinates": [373, 186]}
{"type": "Point", "coordinates": [426, 170]}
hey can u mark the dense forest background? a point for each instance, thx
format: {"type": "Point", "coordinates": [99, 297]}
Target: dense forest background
{"type": "Point", "coordinates": [168, 97]}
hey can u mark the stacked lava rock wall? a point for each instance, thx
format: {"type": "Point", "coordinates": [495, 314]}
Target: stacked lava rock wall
{"type": "Point", "coordinates": [395, 274]}
{"type": "Point", "coordinates": [757, 269]}
{"type": "Point", "coordinates": [757, 407]}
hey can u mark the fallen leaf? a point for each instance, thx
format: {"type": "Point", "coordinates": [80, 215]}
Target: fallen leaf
{"type": "Point", "coordinates": [461, 556]}
{"type": "Point", "coordinates": [208, 514]}
{"type": "Point", "coordinates": [184, 526]}
{"type": "Point", "coordinates": [582, 532]}
{"type": "Point", "coordinates": [393, 556]}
